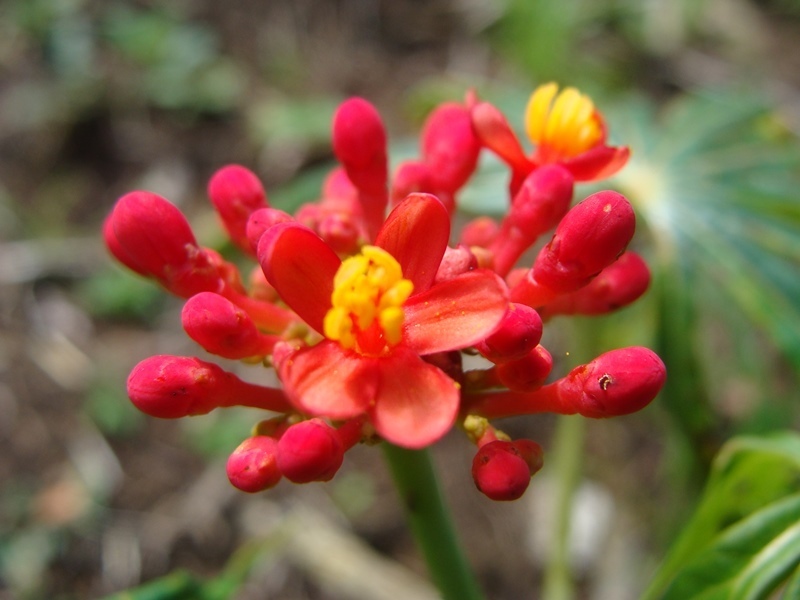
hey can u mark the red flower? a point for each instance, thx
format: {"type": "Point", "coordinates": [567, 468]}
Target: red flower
{"type": "Point", "coordinates": [380, 312]}
{"type": "Point", "coordinates": [566, 128]}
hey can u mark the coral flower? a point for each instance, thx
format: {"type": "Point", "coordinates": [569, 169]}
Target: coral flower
{"type": "Point", "coordinates": [566, 128]}
{"type": "Point", "coordinates": [380, 312]}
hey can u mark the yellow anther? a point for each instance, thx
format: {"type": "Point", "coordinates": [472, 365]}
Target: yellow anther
{"type": "Point", "coordinates": [564, 125]}
{"type": "Point", "coordinates": [369, 290]}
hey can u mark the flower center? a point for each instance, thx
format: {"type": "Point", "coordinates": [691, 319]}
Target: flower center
{"type": "Point", "coordinates": [563, 125]}
{"type": "Point", "coordinates": [366, 312]}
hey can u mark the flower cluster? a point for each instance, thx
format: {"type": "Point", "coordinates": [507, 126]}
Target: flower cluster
{"type": "Point", "coordinates": [365, 317]}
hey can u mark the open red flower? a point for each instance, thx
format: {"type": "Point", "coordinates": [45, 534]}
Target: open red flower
{"type": "Point", "coordinates": [381, 312]}
{"type": "Point", "coordinates": [566, 128]}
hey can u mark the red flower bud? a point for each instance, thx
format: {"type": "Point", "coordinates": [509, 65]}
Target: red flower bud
{"type": "Point", "coordinates": [528, 373]}
{"type": "Point", "coordinates": [618, 285]}
{"type": "Point", "coordinates": [236, 193]}
{"type": "Point", "coordinates": [253, 466]}
{"type": "Point", "coordinates": [259, 221]}
{"type": "Point", "coordinates": [455, 262]}
{"type": "Point", "coordinates": [481, 231]}
{"type": "Point", "coordinates": [502, 470]}
{"type": "Point", "coordinates": [518, 333]}
{"type": "Point", "coordinates": [310, 451]}
{"type": "Point", "coordinates": [359, 141]}
{"type": "Point", "coordinates": [449, 147]}
{"type": "Point", "coordinates": [169, 387]}
{"type": "Point", "coordinates": [223, 328]}
{"type": "Point", "coordinates": [411, 177]}
{"type": "Point", "coordinates": [341, 232]}
{"type": "Point", "coordinates": [589, 238]}
{"type": "Point", "coordinates": [152, 236]}
{"type": "Point", "coordinates": [538, 206]}
{"type": "Point", "coordinates": [616, 383]}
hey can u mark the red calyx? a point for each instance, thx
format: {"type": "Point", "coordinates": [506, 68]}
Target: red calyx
{"type": "Point", "coordinates": [253, 466]}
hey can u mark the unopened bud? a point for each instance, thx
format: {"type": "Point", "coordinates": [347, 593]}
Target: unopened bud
{"type": "Point", "coordinates": [456, 261]}
{"type": "Point", "coordinates": [260, 220]}
{"type": "Point", "coordinates": [410, 178]}
{"type": "Point", "coordinates": [589, 238]}
{"type": "Point", "coordinates": [253, 466]}
{"type": "Point", "coordinates": [170, 387]}
{"type": "Point", "coordinates": [538, 206]}
{"type": "Point", "coordinates": [518, 333]}
{"type": "Point", "coordinates": [502, 470]}
{"type": "Point", "coordinates": [236, 192]}
{"type": "Point", "coordinates": [150, 235]}
{"type": "Point", "coordinates": [618, 285]}
{"type": "Point", "coordinates": [481, 231]}
{"type": "Point", "coordinates": [310, 451]}
{"type": "Point", "coordinates": [223, 328]}
{"type": "Point", "coordinates": [359, 141]}
{"type": "Point", "coordinates": [450, 147]}
{"type": "Point", "coordinates": [340, 231]}
{"type": "Point", "coordinates": [616, 383]}
{"type": "Point", "coordinates": [527, 373]}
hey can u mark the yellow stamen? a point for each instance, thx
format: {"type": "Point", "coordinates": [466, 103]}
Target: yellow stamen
{"type": "Point", "coordinates": [368, 293]}
{"type": "Point", "coordinates": [562, 125]}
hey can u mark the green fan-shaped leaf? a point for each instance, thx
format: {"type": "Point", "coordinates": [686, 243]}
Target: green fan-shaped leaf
{"type": "Point", "coordinates": [744, 539]}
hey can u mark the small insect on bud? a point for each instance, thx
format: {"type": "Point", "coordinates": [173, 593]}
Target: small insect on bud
{"type": "Point", "coordinates": [223, 328]}
{"type": "Point", "coordinates": [310, 451]}
{"type": "Point", "coordinates": [518, 333]}
{"type": "Point", "coordinates": [236, 192]}
{"type": "Point", "coordinates": [253, 466]}
{"type": "Point", "coordinates": [616, 383]}
{"type": "Point", "coordinates": [502, 470]}
{"type": "Point", "coordinates": [589, 238]}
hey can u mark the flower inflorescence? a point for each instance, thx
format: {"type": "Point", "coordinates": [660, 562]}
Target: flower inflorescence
{"type": "Point", "coordinates": [365, 317]}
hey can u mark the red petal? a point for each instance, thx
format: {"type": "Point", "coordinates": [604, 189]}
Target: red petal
{"type": "Point", "coordinates": [301, 267]}
{"type": "Point", "coordinates": [598, 163]}
{"type": "Point", "coordinates": [326, 380]}
{"type": "Point", "coordinates": [417, 403]}
{"type": "Point", "coordinates": [493, 130]}
{"type": "Point", "coordinates": [416, 233]}
{"type": "Point", "coordinates": [456, 313]}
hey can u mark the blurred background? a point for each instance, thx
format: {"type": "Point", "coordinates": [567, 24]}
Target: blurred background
{"type": "Point", "coordinates": [100, 98]}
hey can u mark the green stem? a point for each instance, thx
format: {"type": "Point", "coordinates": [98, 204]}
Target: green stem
{"type": "Point", "coordinates": [430, 522]}
{"type": "Point", "coordinates": [566, 460]}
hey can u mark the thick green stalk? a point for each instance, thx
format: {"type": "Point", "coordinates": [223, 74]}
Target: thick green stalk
{"type": "Point", "coordinates": [567, 461]}
{"type": "Point", "coordinates": [430, 522]}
